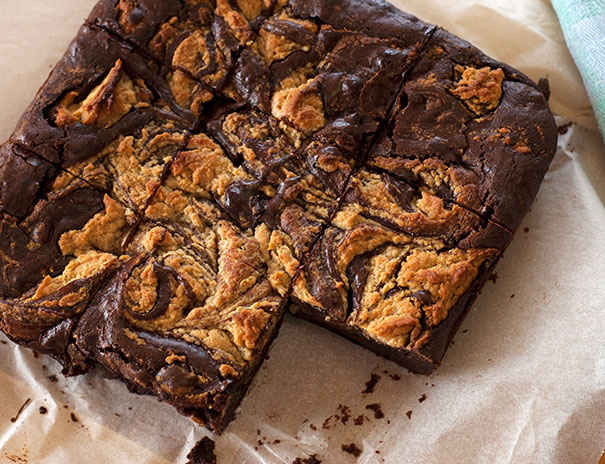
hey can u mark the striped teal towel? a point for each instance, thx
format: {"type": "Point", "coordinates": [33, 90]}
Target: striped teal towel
{"type": "Point", "coordinates": [583, 23]}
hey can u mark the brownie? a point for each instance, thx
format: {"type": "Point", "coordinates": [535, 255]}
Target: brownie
{"type": "Point", "coordinates": [191, 167]}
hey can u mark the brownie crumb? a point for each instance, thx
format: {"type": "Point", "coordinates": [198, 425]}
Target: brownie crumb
{"type": "Point", "coordinates": [371, 384]}
{"type": "Point", "coordinates": [513, 295]}
{"type": "Point", "coordinates": [4, 342]}
{"type": "Point", "coordinates": [53, 378]}
{"type": "Point", "coordinates": [73, 417]}
{"type": "Point", "coordinates": [21, 409]}
{"type": "Point", "coordinates": [352, 449]}
{"type": "Point", "coordinates": [395, 377]}
{"type": "Point", "coordinates": [409, 414]}
{"type": "Point", "coordinates": [422, 398]}
{"type": "Point", "coordinates": [275, 442]}
{"type": "Point", "coordinates": [36, 354]}
{"type": "Point", "coordinates": [345, 413]}
{"type": "Point", "coordinates": [326, 424]}
{"type": "Point", "coordinates": [202, 452]}
{"type": "Point", "coordinates": [493, 277]}
{"type": "Point", "coordinates": [42, 410]}
{"type": "Point", "coordinates": [564, 128]}
{"type": "Point", "coordinates": [526, 230]}
{"type": "Point", "coordinates": [465, 331]}
{"type": "Point", "coordinates": [313, 427]}
{"type": "Point", "coordinates": [310, 460]}
{"type": "Point", "coordinates": [378, 414]}
{"type": "Point", "coordinates": [359, 419]}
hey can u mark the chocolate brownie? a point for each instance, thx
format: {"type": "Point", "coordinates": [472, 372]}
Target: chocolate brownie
{"type": "Point", "coordinates": [190, 167]}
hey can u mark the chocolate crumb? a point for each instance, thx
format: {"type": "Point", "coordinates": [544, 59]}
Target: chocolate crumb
{"type": "Point", "coordinates": [352, 449]}
{"type": "Point", "coordinates": [36, 354]}
{"type": "Point", "coordinates": [526, 230]}
{"type": "Point", "coordinates": [493, 277]}
{"type": "Point", "coordinates": [562, 130]}
{"type": "Point", "coordinates": [21, 409]}
{"type": "Point", "coordinates": [359, 419]}
{"type": "Point", "coordinates": [4, 342]}
{"type": "Point", "coordinates": [378, 414]}
{"type": "Point", "coordinates": [326, 424]}
{"type": "Point", "coordinates": [117, 415]}
{"type": "Point", "coordinates": [371, 384]}
{"type": "Point", "coordinates": [202, 452]}
{"type": "Point", "coordinates": [409, 414]}
{"type": "Point", "coordinates": [345, 413]}
{"type": "Point", "coordinates": [513, 295]}
{"type": "Point", "coordinates": [395, 377]}
{"type": "Point", "coordinates": [422, 398]}
{"type": "Point", "coordinates": [42, 410]}
{"type": "Point", "coordinates": [73, 417]}
{"type": "Point", "coordinates": [310, 460]}
{"type": "Point", "coordinates": [275, 442]}
{"type": "Point", "coordinates": [313, 427]}
{"type": "Point", "coordinates": [465, 331]}
{"type": "Point", "coordinates": [53, 378]}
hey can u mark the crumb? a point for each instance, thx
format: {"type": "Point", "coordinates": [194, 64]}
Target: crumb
{"type": "Point", "coordinates": [345, 412]}
{"type": "Point", "coordinates": [326, 424]}
{"type": "Point", "coordinates": [526, 230]}
{"type": "Point", "coordinates": [378, 414]}
{"type": "Point", "coordinates": [53, 378]}
{"type": "Point", "coordinates": [371, 384]}
{"type": "Point", "coordinates": [313, 427]}
{"type": "Point", "coordinates": [73, 417]}
{"type": "Point", "coordinates": [395, 377]}
{"type": "Point", "coordinates": [275, 442]}
{"type": "Point", "coordinates": [42, 410]}
{"type": "Point", "coordinates": [465, 331]}
{"type": "Point", "coordinates": [4, 342]}
{"type": "Point", "coordinates": [36, 354]}
{"type": "Point", "coordinates": [422, 398]}
{"type": "Point", "coordinates": [564, 128]}
{"type": "Point", "coordinates": [409, 414]}
{"type": "Point", "coordinates": [202, 452]}
{"type": "Point", "coordinates": [493, 277]}
{"type": "Point", "coordinates": [352, 449]}
{"type": "Point", "coordinates": [310, 460]}
{"type": "Point", "coordinates": [359, 419]}
{"type": "Point", "coordinates": [513, 295]}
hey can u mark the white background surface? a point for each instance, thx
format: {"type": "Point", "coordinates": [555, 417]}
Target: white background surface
{"type": "Point", "coordinates": [523, 383]}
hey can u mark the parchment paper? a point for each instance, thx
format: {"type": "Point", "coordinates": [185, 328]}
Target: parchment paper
{"type": "Point", "coordinates": [523, 383]}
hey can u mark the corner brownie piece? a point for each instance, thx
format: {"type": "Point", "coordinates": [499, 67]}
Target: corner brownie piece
{"type": "Point", "coordinates": [191, 166]}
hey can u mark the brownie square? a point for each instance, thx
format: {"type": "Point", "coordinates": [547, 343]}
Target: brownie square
{"type": "Point", "coordinates": [397, 266]}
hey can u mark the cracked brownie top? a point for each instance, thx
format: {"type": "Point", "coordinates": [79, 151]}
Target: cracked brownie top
{"type": "Point", "coordinates": [191, 165]}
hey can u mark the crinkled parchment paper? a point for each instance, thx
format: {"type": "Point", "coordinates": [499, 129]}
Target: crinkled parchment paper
{"type": "Point", "coordinates": [523, 383]}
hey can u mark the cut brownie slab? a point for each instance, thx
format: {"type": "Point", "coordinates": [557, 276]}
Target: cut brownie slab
{"type": "Point", "coordinates": [189, 165]}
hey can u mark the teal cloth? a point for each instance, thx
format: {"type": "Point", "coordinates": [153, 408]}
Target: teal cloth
{"type": "Point", "coordinates": [583, 23]}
